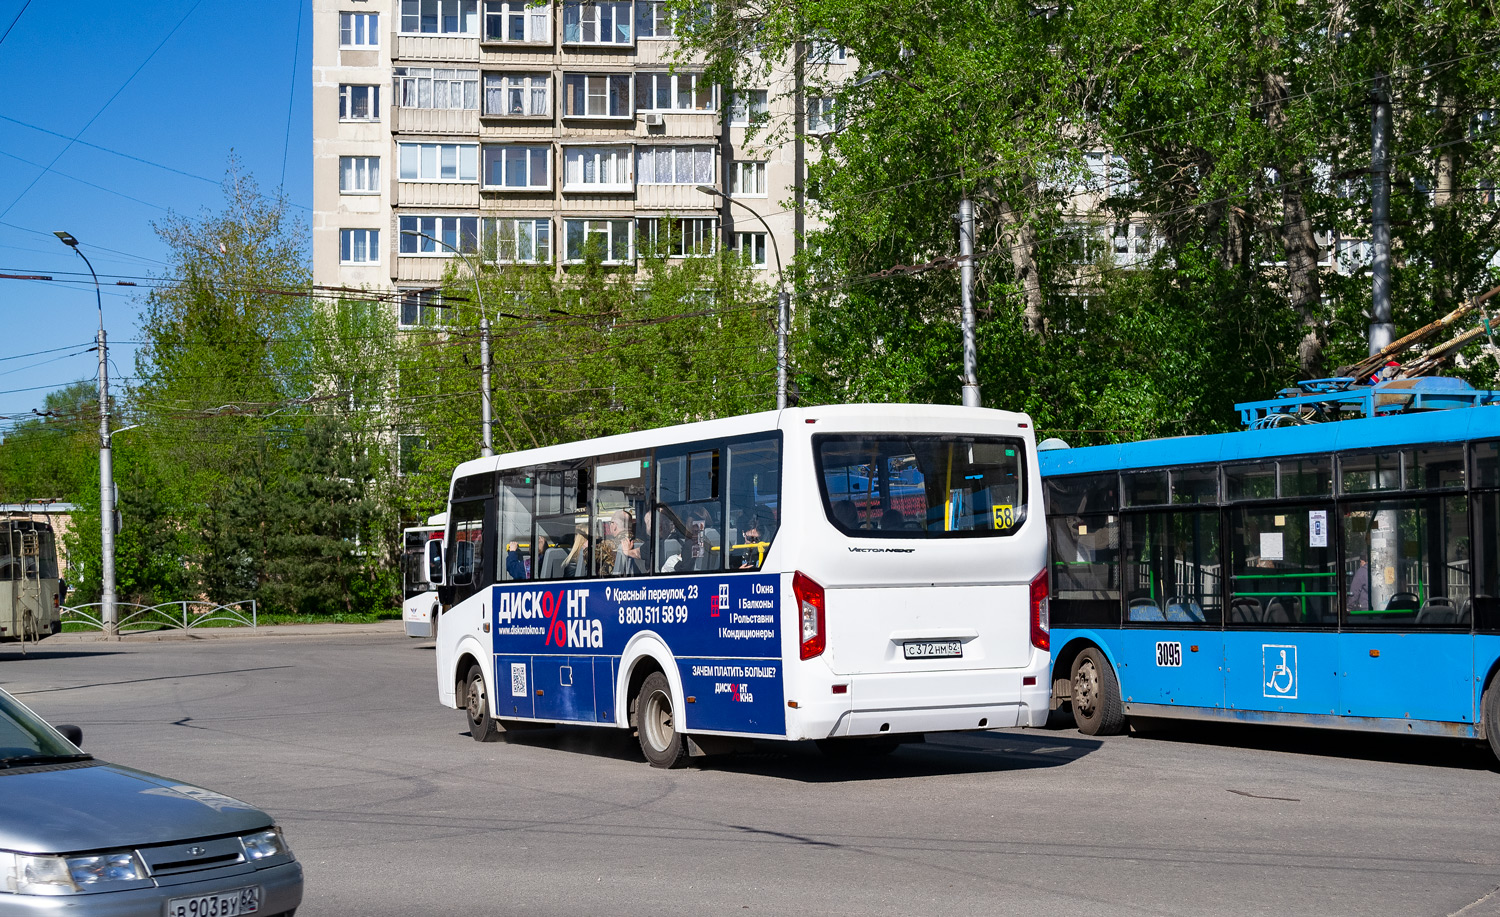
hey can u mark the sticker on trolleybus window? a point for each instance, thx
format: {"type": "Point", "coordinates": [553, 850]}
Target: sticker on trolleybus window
{"type": "Point", "coordinates": [1279, 671]}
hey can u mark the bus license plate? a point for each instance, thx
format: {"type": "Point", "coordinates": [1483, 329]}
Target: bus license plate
{"type": "Point", "coordinates": [223, 904]}
{"type": "Point", "coordinates": [933, 649]}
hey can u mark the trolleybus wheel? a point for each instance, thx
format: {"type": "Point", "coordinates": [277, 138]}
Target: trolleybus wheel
{"type": "Point", "coordinates": [656, 723]}
{"type": "Point", "coordinates": [1491, 714]}
{"type": "Point", "coordinates": [1096, 695]}
{"type": "Point", "coordinates": [482, 726]}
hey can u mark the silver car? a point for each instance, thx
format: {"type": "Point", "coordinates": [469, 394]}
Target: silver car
{"type": "Point", "coordinates": [79, 836]}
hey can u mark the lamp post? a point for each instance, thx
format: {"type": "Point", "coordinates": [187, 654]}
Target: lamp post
{"type": "Point", "coordinates": [487, 446]}
{"type": "Point", "coordinates": [109, 610]}
{"type": "Point", "coordinates": [783, 299]}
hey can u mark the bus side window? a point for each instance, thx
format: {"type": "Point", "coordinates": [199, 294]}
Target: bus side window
{"type": "Point", "coordinates": [517, 501]}
{"type": "Point", "coordinates": [688, 523]}
{"type": "Point", "coordinates": [754, 501]}
{"type": "Point", "coordinates": [467, 569]}
{"type": "Point", "coordinates": [621, 497]}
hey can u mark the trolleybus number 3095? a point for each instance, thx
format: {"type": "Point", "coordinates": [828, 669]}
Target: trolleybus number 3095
{"type": "Point", "coordinates": [1169, 654]}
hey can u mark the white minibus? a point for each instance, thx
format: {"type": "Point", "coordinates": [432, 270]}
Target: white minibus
{"type": "Point", "coordinates": [857, 574]}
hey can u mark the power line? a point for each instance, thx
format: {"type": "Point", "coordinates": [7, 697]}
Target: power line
{"type": "Point", "coordinates": [14, 21]}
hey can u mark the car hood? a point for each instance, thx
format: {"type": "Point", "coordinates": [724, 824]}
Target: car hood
{"type": "Point", "coordinates": [74, 809]}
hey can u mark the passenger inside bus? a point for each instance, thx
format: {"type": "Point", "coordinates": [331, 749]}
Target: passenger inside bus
{"type": "Point", "coordinates": [625, 546]}
{"type": "Point", "coordinates": [576, 564]}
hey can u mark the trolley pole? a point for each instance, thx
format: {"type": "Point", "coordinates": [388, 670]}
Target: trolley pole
{"type": "Point", "coordinates": [109, 610]}
{"type": "Point", "coordinates": [1382, 329]}
{"type": "Point", "coordinates": [966, 277]}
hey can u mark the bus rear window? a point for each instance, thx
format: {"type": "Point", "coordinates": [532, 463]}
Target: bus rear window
{"type": "Point", "coordinates": [922, 485]}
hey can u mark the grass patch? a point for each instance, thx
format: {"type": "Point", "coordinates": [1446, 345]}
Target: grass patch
{"type": "Point", "coordinates": [263, 619]}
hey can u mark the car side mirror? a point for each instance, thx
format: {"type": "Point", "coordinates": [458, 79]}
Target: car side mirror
{"type": "Point", "coordinates": [434, 568]}
{"type": "Point", "coordinates": [73, 734]}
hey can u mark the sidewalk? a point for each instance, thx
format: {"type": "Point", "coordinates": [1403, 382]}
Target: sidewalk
{"type": "Point", "coordinates": [377, 629]}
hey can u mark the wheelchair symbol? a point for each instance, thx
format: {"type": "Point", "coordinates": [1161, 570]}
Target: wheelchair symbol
{"type": "Point", "coordinates": [1279, 668]}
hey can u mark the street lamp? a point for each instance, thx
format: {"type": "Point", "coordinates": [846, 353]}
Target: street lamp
{"type": "Point", "coordinates": [109, 611]}
{"type": "Point", "coordinates": [783, 299]}
{"type": "Point", "coordinates": [487, 446]}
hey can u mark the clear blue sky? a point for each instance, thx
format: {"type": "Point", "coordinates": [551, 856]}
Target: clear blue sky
{"type": "Point", "coordinates": [117, 76]}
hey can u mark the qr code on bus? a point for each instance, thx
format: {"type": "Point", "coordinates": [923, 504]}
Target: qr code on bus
{"type": "Point", "coordinates": [518, 679]}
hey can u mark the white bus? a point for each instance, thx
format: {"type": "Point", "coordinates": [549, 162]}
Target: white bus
{"type": "Point", "coordinates": [858, 574]}
{"type": "Point", "coordinates": [418, 595]}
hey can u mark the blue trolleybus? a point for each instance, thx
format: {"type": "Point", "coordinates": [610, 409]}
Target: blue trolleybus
{"type": "Point", "coordinates": [1335, 565]}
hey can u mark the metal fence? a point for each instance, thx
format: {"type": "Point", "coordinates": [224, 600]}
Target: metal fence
{"type": "Point", "coordinates": [166, 616]}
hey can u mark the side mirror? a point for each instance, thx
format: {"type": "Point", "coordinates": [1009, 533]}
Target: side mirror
{"type": "Point", "coordinates": [434, 568]}
{"type": "Point", "coordinates": [73, 734]}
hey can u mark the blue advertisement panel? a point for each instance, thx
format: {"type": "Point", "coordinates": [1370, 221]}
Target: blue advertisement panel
{"type": "Point", "coordinates": [723, 631]}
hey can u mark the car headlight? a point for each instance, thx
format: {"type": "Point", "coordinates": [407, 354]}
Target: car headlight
{"type": "Point", "coordinates": [267, 843]}
{"type": "Point", "coordinates": [65, 875]}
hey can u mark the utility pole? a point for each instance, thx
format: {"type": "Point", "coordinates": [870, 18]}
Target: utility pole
{"type": "Point", "coordinates": [1382, 329]}
{"type": "Point", "coordinates": [966, 278]}
{"type": "Point", "coordinates": [109, 613]}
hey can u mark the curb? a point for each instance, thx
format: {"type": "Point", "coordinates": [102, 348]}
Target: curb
{"type": "Point", "coordinates": [376, 629]}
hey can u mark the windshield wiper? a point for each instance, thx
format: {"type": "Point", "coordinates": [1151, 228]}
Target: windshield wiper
{"type": "Point", "coordinates": [30, 760]}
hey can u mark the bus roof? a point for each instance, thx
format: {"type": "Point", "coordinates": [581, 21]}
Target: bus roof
{"type": "Point", "coordinates": [882, 416]}
{"type": "Point", "coordinates": [1456, 425]}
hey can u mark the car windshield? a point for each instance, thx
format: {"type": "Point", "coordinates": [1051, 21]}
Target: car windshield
{"type": "Point", "coordinates": [25, 737]}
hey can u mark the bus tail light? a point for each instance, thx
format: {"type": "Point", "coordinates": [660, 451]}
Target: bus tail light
{"type": "Point", "coordinates": [810, 610]}
{"type": "Point", "coordinates": [1041, 616]}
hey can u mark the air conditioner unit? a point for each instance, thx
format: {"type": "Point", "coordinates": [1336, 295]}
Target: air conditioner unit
{"type": "Point", "coordinates": [652, 119]}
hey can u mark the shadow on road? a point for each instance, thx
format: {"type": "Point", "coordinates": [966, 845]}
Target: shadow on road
{"type": "Point", "coordinates": [1427, 751]}
{"type": "Point", "coordinates": [11, 654]}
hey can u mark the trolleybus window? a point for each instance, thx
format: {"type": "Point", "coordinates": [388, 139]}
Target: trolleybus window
{"type": "Point", "coordinates": [1195, 485]}
{"type": "Point", "coordinates": [1307, 476]}
{"type": "Point", "coordinates": [1082, 493]}
{"type": "Point", "coordinates": [1251, 481]}
{"type": "Point", "coordinates": [1486, 585]}
{"type": "Point", "coordinates": [1085, 569]}
{"type": "Point", "coordinates": [1437, 468]}
{"type": "Point", "coordinates": [1145, 488]}
{"type": "Point", "coordinates": [1283, 567]}
{"type": "Point", "coordinates": [1407, 563]}
{"type": "Point", "coordinates": [1369, 472]}
{"type": "Point", "coordinates": [1172, 568]}
{"type": "Point", "coordinates": [918, 486]}
{"type": "Point", "coordinates": [1487, 464]}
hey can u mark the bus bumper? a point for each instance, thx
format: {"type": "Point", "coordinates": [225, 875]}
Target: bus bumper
{"type": "Point", "coordinates": [918, 702]}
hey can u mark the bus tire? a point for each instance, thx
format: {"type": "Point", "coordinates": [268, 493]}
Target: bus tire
{"type": "Point", "coordinates": [656, 723]}
{"type": "Point", "coordinates": [1096, 695]}
{"type": "Point", "coordinates": [482, 726]}
{"type": "Point", "coordinates": [1491, 714]}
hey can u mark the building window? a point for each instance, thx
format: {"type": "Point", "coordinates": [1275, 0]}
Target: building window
{"type": "Point", "coordinates": [749, 179]}
{"type": "Point", "coordinates": [596, 96]}
{"type": "Point", "coordinates": [829, 52]}
{"type": "Point", "coordinates": [359, 246]}
{"type": "Point", "coordinates": [440, 88]}
{"type": "Point", "coordinates": [421, 308]}
{"type": "Point", "coordinates": [586, 22]}
{"type": "Point", "coordinates": [518, 21]}
{"type": "Point", "coordinates": [359, 174]}
{"type": "Point", "coordinates": [652, 19]}
{"type": "Point", "coordinates": [597, 168]}
{"type": "Point", "coordinates": [670, 237]}
{"type": "Point", "coordinates": [675, 92]}
{"type": "Point", "coordinates": [752, 247]}
{"type": "Point", "coordinates": [439, 162]}
{"type": "Point", "coordinates": [518, 167]}
{"type": "Point", "coordinates": [439, 235]}
{"type": "Point", "coordinates": [820, 115]}
{"type": "Point", "coordinates": [675, 165]}
{"type": "Point", "coordinates": [359, 103]}
{"type": "Point", "coordinates": [519, 241]}
{"type": "Point", "coordinates": [522, 95]}
{"type": "Point", "coordinates": [750, 107]}
{"type": "Point", "coordinates": [440, 17]}
{"type": "Point", "coordinates": [359, 30]}
{"type": "Point", "coordinates": [609, 238]}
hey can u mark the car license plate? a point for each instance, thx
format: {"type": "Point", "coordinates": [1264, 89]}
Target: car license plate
{"type": "Point", "coordinates": [221, 904]}
{"type": "Point", "coordinates": [933, 649]}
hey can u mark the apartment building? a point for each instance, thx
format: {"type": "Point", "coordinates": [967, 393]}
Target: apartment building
{"type": "Point", "coordinates": [531, 130]}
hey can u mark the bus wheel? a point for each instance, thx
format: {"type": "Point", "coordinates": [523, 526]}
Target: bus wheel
{"type": "Point", "coordinates": [1096, 695]}
{"type": "Point", "coordinates": [1491, 714]}
{"type": "Point", "coordinates": [482, 726]}
{"type": "Point", "coordinates": [656, 723]}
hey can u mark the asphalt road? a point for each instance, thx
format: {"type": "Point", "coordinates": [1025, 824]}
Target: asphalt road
{"type": "Point", "coordinates": [394, 810]}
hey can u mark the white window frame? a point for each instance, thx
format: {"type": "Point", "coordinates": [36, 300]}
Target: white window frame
{"type": "Point", "coordinates": [431, 160]}
{"type": "Point", "coordinates": [540, 229]}
{"type": "Point", "coordinates": [703, 231]}
{"type": "Point", "coordinates": [442, 82]}
{"type": "Point", "coordinates": [755, 170]}
{"type": "Point", "coordinates": [679, 88]}
{"type": "Point", "coordinates": [352, 241]}
{"type": "Point", "coordinates": [359, 30]}
{"type": "Point", "coordinates": [750, 106]}
{"type": "Point", "coordinates": [528, 84]}
{"type": "Point", "coordinates": [821, 116]}
{"type": "Point", "coordinates": [613, 157]}
{"type": "Point", "coordinates": [659, 20]}
{"type": "Point", "coordinates": [757, 242]}
{"type": "Point", "coordinates": [413, 14]}
{"type": "Point", "coordinates": [590, 83]}
{"type": "Point", "coordinates": [591, 16]}
{"type": "Point", "coordinates": [535, 20]}
{"type": "Point", "coordinates": [365, 172]}
{"type": "Point", "coordinates": [605, 226]}
{"type": "Point", "coordinates": [829, 52]}
{"type": "Point", "coordinates": [497, 154]}
{"type": "Point", "coordinates": [347, 95]}
{"type": "Point", "coordinates": [428, 304]}
{"type": "Point", "coordinates": [450, 228]}
{"type": "Point", "coordinates": [649, 156]}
